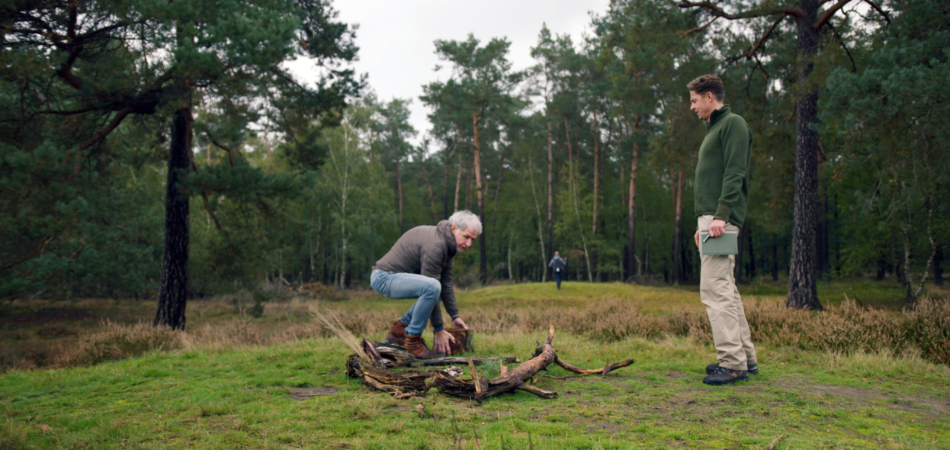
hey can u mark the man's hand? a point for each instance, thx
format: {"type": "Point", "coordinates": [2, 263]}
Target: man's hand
{"type": "Point", "coordinates": [459, 323]}
{"type": "Point", "coordinates": [717, 228]}
{"type": "Point", "coordinates": [441, 341]}
{"type": "Point", "coordinates": [696, 238]}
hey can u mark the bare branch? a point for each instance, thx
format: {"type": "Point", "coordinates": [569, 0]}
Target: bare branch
{"type": "Point", "coordinates": [715, 10]}
{"type": "Point", "coordinates": [880, 11]}
{"type": "Point", "coordinates": [758, 45]}
{"type": "Point", "coordinates": [830, 12]}
{"type": "Point", "coordinates": [32, 254]}
{"type": "Point", "coordinates": [854, 67]}
{"type": "Point", "coordinates": [123, 113]}
{"type": "Point", "coordinates": [216, 144]}
{"type": "Point", "coordinates": [699, 28]}
{"type": "Point", "coordinates": [100, 135]}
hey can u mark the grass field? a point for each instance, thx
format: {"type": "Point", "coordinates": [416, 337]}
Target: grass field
{"type": "Point", "coordinates": [221, 391]}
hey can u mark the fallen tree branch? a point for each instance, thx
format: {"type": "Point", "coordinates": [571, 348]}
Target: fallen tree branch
{"type": "Point", "coordinates": [398, 357]}
{"type": "Point", "coordinates": [604, 371]}
{"type": "Point", "coordinates": [378, 357]}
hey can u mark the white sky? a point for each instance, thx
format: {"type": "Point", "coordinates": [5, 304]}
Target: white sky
{"type": "Point", "coordinates": [396, 37]}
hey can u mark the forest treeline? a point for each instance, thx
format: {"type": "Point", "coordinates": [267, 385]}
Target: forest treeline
{"type": "Point", "coordinates": [158, 148]}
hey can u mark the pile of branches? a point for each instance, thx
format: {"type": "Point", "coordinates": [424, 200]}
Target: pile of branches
{"type": "Point", "coordinates": [374, 363]}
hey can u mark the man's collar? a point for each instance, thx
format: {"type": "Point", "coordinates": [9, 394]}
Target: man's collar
{"type": "Point", "coordinates": [446, 228]}
{"type": "Point", "coordinates": [718, 114]}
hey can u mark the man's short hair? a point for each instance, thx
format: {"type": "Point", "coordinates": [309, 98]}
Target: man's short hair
{"type": "Point", "coordinates": [465, 220]}
{"type": "Point", "coordinates": [708, 83]}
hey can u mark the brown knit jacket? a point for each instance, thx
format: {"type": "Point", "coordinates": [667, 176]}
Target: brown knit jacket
{"type": "Point", "coordinates": [426, 250]}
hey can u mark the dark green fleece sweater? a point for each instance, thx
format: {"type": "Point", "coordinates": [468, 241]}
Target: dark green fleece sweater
{"type": "Point", "coordinates": [721, 185]}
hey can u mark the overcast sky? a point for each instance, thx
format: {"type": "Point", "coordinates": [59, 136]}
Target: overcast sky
{"type": "Point", "coordinates": [396, 37]}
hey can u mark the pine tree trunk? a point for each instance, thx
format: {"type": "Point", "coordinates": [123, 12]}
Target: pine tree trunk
{"type": "Point", "coordinates": [677, 242]}
{"type": "Point", "coordinates": [399, 194]}
{"type": "Point", "coordinates": [550, 193]}
{"type": "Point", "coordinates": [802, 289]}
{"type": "Point", "coordinates": [483, 264]}
{"type": "Point", "coordinates": [501, 172]}
{"type": "Point", "coordinates": [172, 294]}
{"type": "Point", "coordinates": [632, 205]}
{"type": "Point", "coordinates": [596, 173]}
{"type": "Point", "coordinates": [445, 199]}
{"type": "Point", "coordinates": [458, 184]}
{"type": "Point", "coordinates": [431, 195]}
{"type": "Point", "coordinates": [748, 231]}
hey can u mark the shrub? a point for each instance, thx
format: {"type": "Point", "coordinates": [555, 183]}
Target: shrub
{"type": "Point", "coordinates": [929, 324]}
{"type": "Point", "coordinates": [116, 341]}
{"type": "Point", "coordinates": [321, 291]}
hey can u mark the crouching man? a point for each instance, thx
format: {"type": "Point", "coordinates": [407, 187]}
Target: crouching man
{"type": "Point", "coordinates": [420, 266]}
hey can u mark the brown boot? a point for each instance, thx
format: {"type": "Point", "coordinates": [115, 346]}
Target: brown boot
{"type": "Point", "coordinates": [417, 347]}
{"type": "Point", "coordinates": [397, 335]}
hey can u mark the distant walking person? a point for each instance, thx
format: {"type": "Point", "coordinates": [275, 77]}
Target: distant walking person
{"type": "Point", "coordinates": [721, 190]}
{"type": "Point", "coordinates": [558, 264]}
{"type": "Point", "coordinates": [420, 266]}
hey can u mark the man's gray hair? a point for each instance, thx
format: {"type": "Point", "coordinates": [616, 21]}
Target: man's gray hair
{"type": "Point", "coordinates": [465, 220]}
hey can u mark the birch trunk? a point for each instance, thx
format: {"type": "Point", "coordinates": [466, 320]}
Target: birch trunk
{"type": "Point", "coordinates": [577, 213]}
{"type": "Point", "coordinates": [632, 205]}
{"type": "Point", "coordinates": [483, 265]}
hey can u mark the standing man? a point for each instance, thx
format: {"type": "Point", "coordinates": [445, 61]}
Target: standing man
{"type": "Point", "coordinates": [420, 266]}
{"type": "Point", "coordinates": [722, 195]}
{"type": "Point", "coordinates": [558, 264]}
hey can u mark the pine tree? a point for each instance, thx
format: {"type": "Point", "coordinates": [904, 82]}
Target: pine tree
{"type": "Point", "coordinates": [224, 55]}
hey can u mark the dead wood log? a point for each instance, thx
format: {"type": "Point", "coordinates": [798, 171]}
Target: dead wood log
{"type": "Point", "coordinates": [399, 357]}
{"type": "Point", "coordinates": [402, 383]}
{"type": "Point", "coordinates": [479, 388]}
{"type": "Point", "coordinates": [607, 368]}
{"type": "Point", "coordinates": [375, 371]}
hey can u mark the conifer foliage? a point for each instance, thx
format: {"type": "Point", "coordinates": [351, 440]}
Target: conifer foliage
{"type": "Point", "coordinates": [96, 65]}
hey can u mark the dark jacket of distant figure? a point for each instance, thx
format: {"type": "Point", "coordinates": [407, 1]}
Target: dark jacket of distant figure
{"type": "Point", "coordinates": [427, 250]}
{"type": "Point", "coordinates": [557, 263]}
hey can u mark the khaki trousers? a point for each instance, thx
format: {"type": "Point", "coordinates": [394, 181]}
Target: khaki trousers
{"type": "Point", "coordinates": [717, 290]}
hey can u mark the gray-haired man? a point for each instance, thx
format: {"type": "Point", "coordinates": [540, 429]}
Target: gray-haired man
{"type": "Point", "coordinates": [420, 266]}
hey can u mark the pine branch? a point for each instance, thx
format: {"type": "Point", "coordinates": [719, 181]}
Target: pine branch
{"type": "Point", "coordinates": [715, 10]}
{"type": "Point", "coordinates": [830, 12]}
{"type": "Point", "coordinates": [758, 45]}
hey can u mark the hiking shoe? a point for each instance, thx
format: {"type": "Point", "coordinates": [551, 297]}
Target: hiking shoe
{"type": "Point", "coordinates": [397, 335]}
{"type": "Point", "coordinates": [753, 369]}
{"type": "Point", "coordinates": [723, 376]}
{"type": "Point", "coordinates": [418, 348]}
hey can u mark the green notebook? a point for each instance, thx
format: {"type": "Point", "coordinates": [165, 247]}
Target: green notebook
{"type": "Point", "coordinates": [726, 244]}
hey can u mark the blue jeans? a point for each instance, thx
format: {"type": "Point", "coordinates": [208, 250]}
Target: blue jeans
{"type": "Point", "coordinates": [557, 277]}
{"type": "Point", "coordinates": [409, 285]}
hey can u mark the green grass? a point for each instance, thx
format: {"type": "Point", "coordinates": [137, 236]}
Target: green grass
{"type": "Point", "coordinates": [241, 397]}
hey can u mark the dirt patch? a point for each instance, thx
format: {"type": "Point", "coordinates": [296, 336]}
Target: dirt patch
{"type": "Point", "coordinates": [677, 375]}
{"type": "Point", "coordinates": [308, 392]}
{"type": "Point", "coordinates": [906, 403]}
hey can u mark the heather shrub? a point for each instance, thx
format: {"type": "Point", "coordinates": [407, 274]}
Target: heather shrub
{"type": "Point", "coordinates": [929, 325]}
{"type": "Point", "coordinates": [617, 319]}
{"type": "Point", "coordinates": [322, 291]}
{"type": "Point", "coordinates": [849, 327]}
{"type": "Point", "coordinates": [240, 332]}
{"type": "Point", "coordinates": [777, 325]}
{"type": "Point", "coordinates": [116, 341]}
